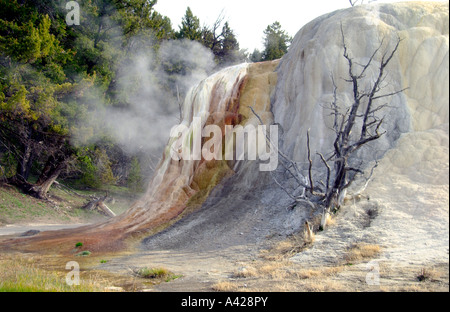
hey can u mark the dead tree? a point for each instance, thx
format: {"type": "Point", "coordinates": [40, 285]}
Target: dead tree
{"type": "Point", "coordinates": [28, 142]}
{"type": "Point", "coordinates": [355, 126]}
{"type": "Point", "coordinates": [355, 2]}
{"type": "Point", "coordinates": [99, 203]}
{"type": "Point", "coordinates": [358, 124]}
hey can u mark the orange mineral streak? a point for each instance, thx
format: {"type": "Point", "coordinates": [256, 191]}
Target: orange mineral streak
{"type": "Point", "coordinates": [175, 182]}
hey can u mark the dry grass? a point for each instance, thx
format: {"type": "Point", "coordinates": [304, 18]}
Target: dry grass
{"type": "Point", "coordinates": [152, 272]}
{"type": "Point", "coordinates": [358, 252]}
{"type": "Point", "coordinates": [283, 250]}
{"type": "Point", "coordinates": [308, 235]}
{"type": "Point", "coordinates": [246, 272]}
{"type": "Point", "coordinates": [265, 275]}
{"type": "Point", "coordinates": [318, 273]}
{"type": "Point", "coordinates": [274, 270]}
{"type": "Point", "coordinates": [323, 285]}
{"type": "Point", "coordinates": [287, 277]}
{"type": "Point", "coordinates": [426, 274]}
{"type": "Point", "coordinates": [330, 221]}
{"type": "Point", "coordinates": [21, 274]}
{"type": "Point", "coordinates": [225, 286]}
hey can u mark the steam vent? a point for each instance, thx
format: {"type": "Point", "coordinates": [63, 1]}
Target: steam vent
{"type": "Point", "coordinates": [210, 204]}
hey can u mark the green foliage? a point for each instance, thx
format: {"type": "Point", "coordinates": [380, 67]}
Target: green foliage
{"type": "Point", "coordinates": [88, 169]}
{"type": "Point", "coordinates": [95, 166]}
{"type": "Point", "coordinates": [276, 42]}
{"type": "Point", "coordinates": [28, 42]}
{"type": "Point", "coordinates": [55, 78]}
{"type": "Point", "coordinates": [8, 165]}
{"type": "Point", "coordinates": [134, 176]}
{"type": "Point", "coordinates": [155, 25]}
{"type": "Point", "coordinates": [220, 39]}
{"type": "Point", "coordinates": [229, 42]}
{"type": "Point", "coordinates": [224, 45]}
{"type": "Point", "coordinates": [256, 56]}
{"type": "Point", "coordinates": [83, 253]}
{"type": "Point", "coordinates": [103, 165]}
{"type": "Point", "coordinates": [190, 27]}
{"type": "Point", "coordinates": [153, 273]}
{"type": "Point", "coordinates": [22, 274]}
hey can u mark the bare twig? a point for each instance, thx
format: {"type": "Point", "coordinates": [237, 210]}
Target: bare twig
{"type": "Point", "coordinates": [311, 183]}
{"type": "Point", "coordinates": [180, 107]}
{"type": "Point", "coordinates": [328, 171]}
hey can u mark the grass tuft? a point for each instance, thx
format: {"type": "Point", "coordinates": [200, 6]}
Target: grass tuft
{"type": "Point", "coordinates": [426, 274]}
{"type": "Point", "coordinates": [83, 253]}
{"type": "Point", "coordinates": [361, 251]}
{"type": "Point", "coordinates": [156, 273]}
{"type": "Point", "coordinates": [225, 286]}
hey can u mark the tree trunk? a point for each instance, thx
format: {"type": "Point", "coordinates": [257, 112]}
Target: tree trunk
{"type": "Point", "coordinates": [101, 205]}
{"type": "Point", "coordinates": [42, 188]}
{"type": "Point", "coordinates": [25, 163]}
{"type": "Point", "coordinates": [338, 185]}
{"type": "Point", "coordinates": [46, 172]}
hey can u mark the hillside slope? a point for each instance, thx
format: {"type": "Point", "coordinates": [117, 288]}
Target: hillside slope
{"type": "Point", "coordinates": [411, 181]}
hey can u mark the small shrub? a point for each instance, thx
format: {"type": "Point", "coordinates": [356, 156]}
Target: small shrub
{"type": "Point", "coordinates": [153, 273]}
{"type": "Point", "coordinates": [425, 275]}
{"type": "Point", "coordinates": [78, 245]}
{"type": "Point", "coordinates": [172, 277]}
{"type": "Point", "coordinates": [84, 253]}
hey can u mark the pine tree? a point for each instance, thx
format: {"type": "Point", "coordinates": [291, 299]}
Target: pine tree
{"type": "Point", "coordinates": [256, 56]}
{"type": "Point", "coordinates": [190, 27]}
{"type": "Point", "coordinates": [276, 42]}
{"type": "Point", "coordinates": [230, 46]}
{"type": "Point", "coordinates": [134, 176]}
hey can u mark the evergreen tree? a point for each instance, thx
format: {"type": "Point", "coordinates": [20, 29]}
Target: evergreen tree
{"type": "Point", "coordinates": [276, 42]}
{"type": "Point", "coordinates": [34, 124]}
{"type": "Point", "coordinates": [190, 27]}
{"type": "Point", "coordinates": [52, 76]}
{"type": "Point", "coordinates": [230, 46]}
{"type": "Point", "coordinates": [222, 41]}
{"type": "Point", "coordinates": [134, 176]}
{"type": "Point", "coordinates": [256, 56]}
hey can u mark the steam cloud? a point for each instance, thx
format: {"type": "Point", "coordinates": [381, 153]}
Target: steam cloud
{"type": "Point", "coordinates": [145, 123]}
{"type": "Point", "coordinates": [151, 94]}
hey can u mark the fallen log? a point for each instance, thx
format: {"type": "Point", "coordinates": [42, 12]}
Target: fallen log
{"type": "Point", "coordinates": [99, 203]}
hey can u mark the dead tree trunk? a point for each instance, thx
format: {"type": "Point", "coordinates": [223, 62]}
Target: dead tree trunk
{"type": "Point", "coordinates": [355, 125]}
{"type": "Point", "coordinates": [43, 187]}
{"type": "Point", "coordinates": [51, 172]}
{"type": "Point", "coordinates": [346, 142]}
{"type": "Point", "coordinates": [99, 203]}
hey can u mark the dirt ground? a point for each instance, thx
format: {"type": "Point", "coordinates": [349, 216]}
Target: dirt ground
{"type": "Point", "coordinates": [277, 265]}
{"type": "Point", "coordinates": [240, 245]}
{"type": "Point", "coordinates": [396, 239]}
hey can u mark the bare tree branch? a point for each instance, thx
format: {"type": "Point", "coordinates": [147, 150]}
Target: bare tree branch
{"type": "Point", "coordinates": [311, 183]}
{"type": "Point", "coordinates": [389, 94]}
{"type": "Point", "coordinates": [328, 170]}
